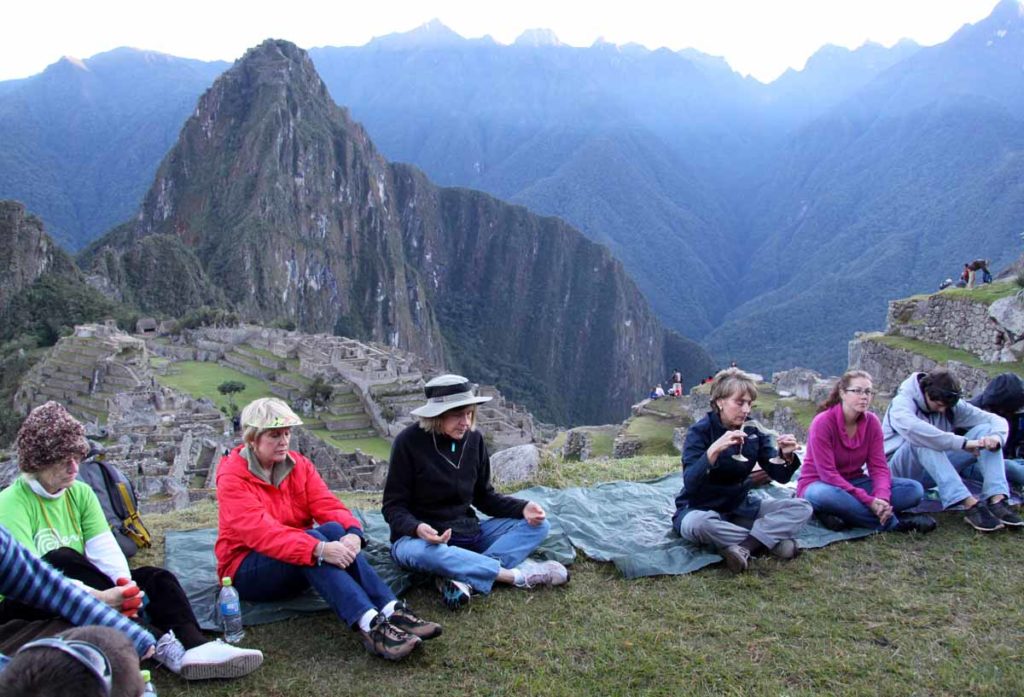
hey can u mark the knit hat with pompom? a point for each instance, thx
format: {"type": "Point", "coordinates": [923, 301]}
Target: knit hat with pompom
{"type": "Point", "coordinates": [49, 436]}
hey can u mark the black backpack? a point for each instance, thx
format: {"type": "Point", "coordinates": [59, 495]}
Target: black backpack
{"type": "Point", "coordinates": [118, 499]}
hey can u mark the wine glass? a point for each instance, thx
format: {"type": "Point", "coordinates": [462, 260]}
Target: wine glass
{"type": "Point", "coordinates": [750, 429]}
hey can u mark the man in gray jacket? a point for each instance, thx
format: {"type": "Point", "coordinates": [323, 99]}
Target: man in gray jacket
{"type": "Point", "coordinates": [920, 444]}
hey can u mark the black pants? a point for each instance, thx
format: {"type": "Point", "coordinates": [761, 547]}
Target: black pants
{"type": "Point", "coordinates": [168, 607]}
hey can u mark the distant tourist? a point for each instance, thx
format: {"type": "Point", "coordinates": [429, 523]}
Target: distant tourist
{"type": "Point", "coordinates": [677, 383]}
{"type": "Point", "coordinates": [281, 531]}
{"type": "Point", "coordinates": [946, 284]}
{"type": "Point", "coordinates": [440, 472]}
{"type": "Point", "coordinates": [845, 440]}
{"type": "Point", "coordinates": [920, 444]}
{"type": "Point", "coordinates": [715, 505]}
{"type": "Point", "coordinates": [974, 267]}
{"type": "Point", "coordinates": [659, 391]}
{"type": "Point", "coordinates": [965, 276]}
{"type": "Point", "coordinates": [61, 520]}
{"type": "Point", "coordinates": [732, 364]}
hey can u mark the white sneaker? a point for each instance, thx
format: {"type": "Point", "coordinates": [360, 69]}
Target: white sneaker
{"type": "Point", "coordinates": [169, 652]}
{"type": "Point", "coordinates": [216, 659]}
{"type": "Point", "coordinates": [542, 573]}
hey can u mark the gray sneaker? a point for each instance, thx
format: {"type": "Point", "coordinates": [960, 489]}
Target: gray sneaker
{"type": "Point", "coordinates": [542, 573]}
{"type": "Point", "coordinates": [737, 558]}
{"type": "Point", "coordinates": [785, 549]}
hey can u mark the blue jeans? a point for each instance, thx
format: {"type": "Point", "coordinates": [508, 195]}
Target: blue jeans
{"type": "Point", "coordinates": [946, 470]}
{"type": "Point", "coordinates": [350, 592]}
{"type": "Point", "coordinates": [504, 544]}
{"type": "Point", "coordinates": [906, 493]}
{"type": "Point", "coordinates": [1014, 469]}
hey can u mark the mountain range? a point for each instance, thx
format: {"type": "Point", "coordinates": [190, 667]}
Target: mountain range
{"type": "Point", "coordinates": [767, 221]}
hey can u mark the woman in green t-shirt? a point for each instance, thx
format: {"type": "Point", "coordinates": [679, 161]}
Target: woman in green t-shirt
{"type": "Point", "coordinates": [60, 520]}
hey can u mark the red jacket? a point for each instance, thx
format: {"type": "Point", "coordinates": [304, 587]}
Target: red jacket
{"type": "Point", "coordinates": [257, 516]}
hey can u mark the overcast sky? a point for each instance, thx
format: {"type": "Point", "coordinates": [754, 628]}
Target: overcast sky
{"type": "Point", "coordinates": [758, 37]}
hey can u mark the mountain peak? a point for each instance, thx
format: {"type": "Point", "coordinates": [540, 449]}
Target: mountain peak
{"type": "Point", "coordinates": [433, 34]}
{"type": "Point", "coordinates": [537, 37]}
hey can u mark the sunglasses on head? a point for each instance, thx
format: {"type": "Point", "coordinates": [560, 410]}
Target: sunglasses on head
{"type": "Point", "coordinates": [947, 397]}
{"type": "Point", "coordinates": [88, 655]}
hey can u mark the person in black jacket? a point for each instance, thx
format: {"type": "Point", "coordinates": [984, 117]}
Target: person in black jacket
{"type": "Point", "coordinates": [715, 506]}
{"type": "Point", "coordinates": [439, 472]}
{"type": "Point", "coordinates": [1004, 396]}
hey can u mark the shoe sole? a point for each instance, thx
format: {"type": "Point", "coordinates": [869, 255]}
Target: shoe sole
{"type": "Point", "coordinates": [391, 656]}
{"type": "Point", "coordinates": [453, 599]}
{"type": "Point", "coordinates": [232, 668]}
{"type": "Point", "coordinates": [1007, 523]}
{"type": "Point", "coordinates": [984, 529]}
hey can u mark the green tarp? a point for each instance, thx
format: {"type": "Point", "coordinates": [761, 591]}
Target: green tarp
{"type": "Point", "coordinates": [625, 523]}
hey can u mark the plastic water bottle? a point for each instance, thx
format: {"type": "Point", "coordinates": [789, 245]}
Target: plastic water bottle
{"type": "Point", "coordinates": [149, 690]}
{"type": "Point", "coordinates": [230, 612]}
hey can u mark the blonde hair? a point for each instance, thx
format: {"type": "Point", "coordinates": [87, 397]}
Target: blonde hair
{"type": "Point", "coordinates": [432, 424]}
{"type": "Point", "coordinates": [266, 414]}
{"type": "Point", "coordinates": [732, 381]}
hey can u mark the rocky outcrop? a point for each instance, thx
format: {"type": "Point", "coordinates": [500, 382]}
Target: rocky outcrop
{"type": "Point", "coordinates": [515, 465]}
{"type": "Point", "coordinates": [26, 252]}
{"type": "Point", "coordinates": [276, 199]}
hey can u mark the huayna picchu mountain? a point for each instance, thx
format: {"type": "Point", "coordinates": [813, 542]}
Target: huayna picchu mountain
{"type": "Point", "coordinates": [275, 203]}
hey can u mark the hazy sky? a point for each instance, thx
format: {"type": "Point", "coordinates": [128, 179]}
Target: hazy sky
{"type": "Point", "coordinates": [758, 37]}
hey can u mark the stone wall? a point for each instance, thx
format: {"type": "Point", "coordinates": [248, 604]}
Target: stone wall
{"type": "Point", "coordinates": [890, 366]}
{"type": "Point", "coordinates": [990, 332]}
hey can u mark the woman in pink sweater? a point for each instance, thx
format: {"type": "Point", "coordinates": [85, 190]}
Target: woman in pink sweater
{"type": "Point", "coordinates": [845, 439]}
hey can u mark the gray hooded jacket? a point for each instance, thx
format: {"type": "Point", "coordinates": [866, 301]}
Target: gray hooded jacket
{"type": "Point", "coordinates": [907, 420]}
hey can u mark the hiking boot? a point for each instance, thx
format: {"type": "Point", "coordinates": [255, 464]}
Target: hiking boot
{"type": "Point", "coordinates": [542, 573]}
{"type": "Point", "coordinates": [832, 522]}
{"type": "Point", "coordinates": [388, 641]}
{"type": "Point", "coordinates": [915, 523]}
{"type": "Point", "coordinates": [217, 659]}
{"type": "Point", "coordinates": [785, 549]}
{"type": "Point", "coordinates": [404, 619]}
{"type": "Point", "coordinates": [737, 558]}
{"type": "Point", "coordinates": [981, 519]}
{"type": "Point", "coordinates": [454, 594]}
{"type": "Point", "coordinates": [1005, 514]}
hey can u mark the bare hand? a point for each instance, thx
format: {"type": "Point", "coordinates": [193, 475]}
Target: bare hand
{"type": "Point", "coordinates": [758, 477]}
{"type": "Point", "coordinates": [726, 441]}
{"type": "Point", "coordinates": [787, 445]}
{"type": "Point", "coordinates": [354, 542]}
{"type": "Point", "coordinates": [339, 554]}
{"type": "Point", "coordinates": [974, 446]}
{"type": "Point", "coordinates": [534, 514]}
{"type": "Point", "coordinates": [126, 599]}
{"type": "Point", "coordinates": [429, 534]}
{"type": "Point", "coordinates": [991, 443]}
{"type": "Point", "coordinates": [882, 510]}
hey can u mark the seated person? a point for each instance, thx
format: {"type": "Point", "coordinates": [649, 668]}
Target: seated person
{"type": "Point", "coordinates": [27, 580]}
{"type": "Point", "coordinates": [659, 391]}
{"type": "Point", "coordinates": [920, 444]}
{"type": "Point", "coordinates": [844, 438]}
{"type": "Point", "coordinates": [80, 662]}
{"type": "Point", "coordinates": [281, 530]}
{"type": "Point", "coordinates": [440, 470]}
{"type": "Point", "coordinates": [1004, 396]}
{"type": "Point", "coordinates": [715, 505]}
{"type": "Point", "coordinates": [61, 520]}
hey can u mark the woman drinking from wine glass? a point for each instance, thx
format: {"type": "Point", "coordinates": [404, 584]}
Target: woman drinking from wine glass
{"type": "Point", "coordinates": [715, 505]}
{"type": "Point", "coordinates": [845, 438]}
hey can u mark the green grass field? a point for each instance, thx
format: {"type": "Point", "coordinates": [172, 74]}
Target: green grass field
{"type": "Point", "coordinates": [200, 379]}
{"type": "Point", "coordinates": [888, 615]}
{"type": "Point", "coordinates": [378, 447]}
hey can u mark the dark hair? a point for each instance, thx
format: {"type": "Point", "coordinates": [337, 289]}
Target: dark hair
{"type": "Point", "coordinates": [834, 397]}
{"type": "Point", "coordinates": [940, 385]}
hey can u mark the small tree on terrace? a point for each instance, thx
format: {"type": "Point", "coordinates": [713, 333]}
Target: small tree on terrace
{"type": "Point", "coordinates": [229, 389]}
{"type": "Point", "coordinates": [319, 392]}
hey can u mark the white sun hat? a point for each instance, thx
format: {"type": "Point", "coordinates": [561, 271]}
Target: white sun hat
{"type": "Point", "coordinates": [447, 392]}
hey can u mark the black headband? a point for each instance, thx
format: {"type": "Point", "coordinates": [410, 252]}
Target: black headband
{"type": "Point", "coordinates": [446, 390]}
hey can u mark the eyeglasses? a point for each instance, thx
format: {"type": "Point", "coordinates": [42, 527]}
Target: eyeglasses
{"type": "Point", "coordinates": [861, 391]}
{"type": "Point", "coordinates": [88, 655]}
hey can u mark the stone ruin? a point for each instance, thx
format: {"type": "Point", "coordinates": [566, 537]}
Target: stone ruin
{"type": "Point", "coordinates": [577, 445]}
{"type": "Point", "coordinates": [169, 443]}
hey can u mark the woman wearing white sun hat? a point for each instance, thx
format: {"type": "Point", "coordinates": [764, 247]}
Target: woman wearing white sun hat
{"type": "Point", "coordinates": [440, 471]}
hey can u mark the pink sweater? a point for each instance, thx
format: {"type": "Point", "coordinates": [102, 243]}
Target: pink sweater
{"type": "Point", "coordinates": [834, 458]}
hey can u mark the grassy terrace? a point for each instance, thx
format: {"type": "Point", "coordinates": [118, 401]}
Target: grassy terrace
{"type": "Point", "coordinates": [889, 615]}
{"type": "Point", "coordinates": [942, 354]}
{"type": "Point", "coordinates": [378, 447]}
{"type": "Point", "coordinates": [200, 379]}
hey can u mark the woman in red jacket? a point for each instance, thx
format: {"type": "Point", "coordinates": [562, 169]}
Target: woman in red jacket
{"type": "Point", "coordinates": [281, 530]}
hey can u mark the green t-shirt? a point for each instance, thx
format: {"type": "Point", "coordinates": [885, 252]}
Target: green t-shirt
{"type": "Point", "coordinates": [44, 525]}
